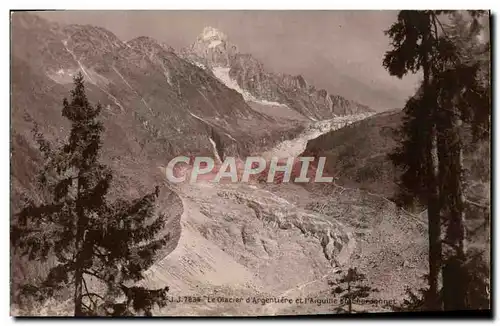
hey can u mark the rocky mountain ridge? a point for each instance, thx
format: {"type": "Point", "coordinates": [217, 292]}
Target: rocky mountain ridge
{"type": "Point", "coordinates": [214, 51]}
{"type": "Point", "coordinates": [156, 105]}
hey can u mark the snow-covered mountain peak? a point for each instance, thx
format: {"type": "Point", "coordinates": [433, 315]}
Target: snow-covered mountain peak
{"type": "Point", "coordinates": [212, 34]}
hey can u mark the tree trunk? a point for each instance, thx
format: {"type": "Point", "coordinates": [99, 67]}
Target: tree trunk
{"type": "Point", "coordinates": [433, 205]}
{"type": "Point", "coordinates": [454, 273]}
{"type": "Point", "coordinates": [434, 220]}
{"type": "Point", "coordinates": [79, 242]}
{"type": "Point", "coordinates": [78, 292]}
{"type": "Point", "coordinates": [349, 294]}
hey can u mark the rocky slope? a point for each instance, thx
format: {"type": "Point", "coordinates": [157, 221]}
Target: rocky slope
{"type": "Point", "coordinates": [287, 241]}
{"type": "Point", "coordinates": [216, 53]}
{"type": "Point", "coordinates": [155, 104]}
{"type": "Point", "coordinates": [357, 156]}
{"type": "Point", "coordinates": [244, 240]}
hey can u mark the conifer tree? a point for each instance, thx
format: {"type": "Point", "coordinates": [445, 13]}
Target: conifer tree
{"type": "Point", "coordinates": [414, 47]}
{"type": "Point", "coordinates": [462, 97]}
{"type": "Point", "coordinates": [99, 245]}
{"type": "Point", "coordinates": [453, 92]}
{"type": "Point", "coordinates": [350, 288]}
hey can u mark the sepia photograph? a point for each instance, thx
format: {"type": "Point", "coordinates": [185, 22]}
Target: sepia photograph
{"type": "Point", "coordinates": [250, 163]}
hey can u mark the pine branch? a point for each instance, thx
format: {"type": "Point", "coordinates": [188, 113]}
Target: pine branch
{"type": "Point", "coordinates": [58, 276]}
{"type": "Point", "coordinates": [99, 254]}
{"type": "Point", "coordinates": [141, 258]}
{"type": "Point", "coordinates": [87, 290]}
{"type": "Point", "coordinates": [435, 19]}
{"type": "Point", "coordinates": [38, 213]}
{"type": "Point", "coordinates": [147, 232]}
{"type": "Point", "coordinates": [34, 242]}
{"type": "Point", "coordinates": [85, 271]}
{"type": "Point", "coordinates": [89, 311]}
{"type": "Point", "coordinates": [95, 295]}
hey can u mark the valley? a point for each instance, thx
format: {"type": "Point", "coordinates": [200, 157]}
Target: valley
{"type": "Point", "coordinates": [256, 241]}
{"type": "Point", "coordinates": [249, 248]}
{"type": "Point", "coordinates": [264, 241]}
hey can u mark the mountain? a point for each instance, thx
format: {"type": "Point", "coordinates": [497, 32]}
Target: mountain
{"type": "Point", "coordinates": [245, 240]}
{"type": "Point", "coordinates": [357, 155]}
{"type": "Point", "coordinates": [156, 104]}
{"type": "Point", "coordinates": [242, 71]}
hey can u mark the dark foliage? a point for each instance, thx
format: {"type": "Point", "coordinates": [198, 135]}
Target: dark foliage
{"type": "Point", "coordinates": [96, 242]}
{"type": "Point", "coordinates": [477, 286]}
{"type": "Point", "coordinates": [349, 288]}
{"type": "Point", "coordinates": [453, 95]}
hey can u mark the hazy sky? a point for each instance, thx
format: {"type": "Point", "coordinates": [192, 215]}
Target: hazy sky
{"type": "Point", "coordinates": [341, 51]}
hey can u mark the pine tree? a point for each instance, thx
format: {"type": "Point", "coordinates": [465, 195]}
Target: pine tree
{"type": "Point", "coordinates": [350, 288]}
{"type": "Point", "coordinates": [453, 92]}
{"type": "Point", "coordinates": [460, 95]}
{"type": "Point", "coordinates": [414, 41]}
{"type": "Point", "coordinates": [410, 156]}
{"type": "Point", "coordinates": [98, 243]}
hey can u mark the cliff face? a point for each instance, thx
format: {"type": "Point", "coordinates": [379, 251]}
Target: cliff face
{"type": "Point", "coordinates": [213, 50]}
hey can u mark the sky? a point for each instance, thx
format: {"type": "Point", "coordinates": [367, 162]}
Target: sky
{"type": "Point", "coordinates": [341, 51]}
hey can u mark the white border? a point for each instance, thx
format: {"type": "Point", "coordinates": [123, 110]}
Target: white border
{"type": "Point", "coordinates": [257, 4]}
